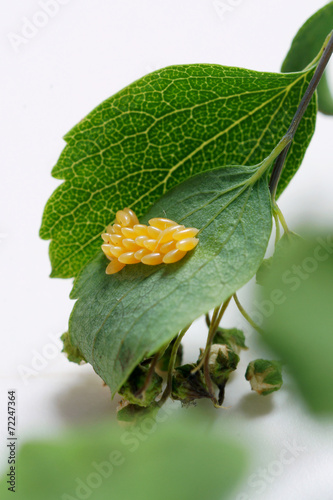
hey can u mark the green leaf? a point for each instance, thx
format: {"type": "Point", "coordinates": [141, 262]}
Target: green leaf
{"type": "Point", "coordinates": [304, 48]}
{"type": "Point", "coordinates": [159, 131]}
{"type": "Point", "coordinates": [297, 300]}
{"type": "Point", "coordinates": [175, 459]}
{"type": "Point", "coordinates": [120, 319]}
{"type": "Point", "coordinates": [73, 353]}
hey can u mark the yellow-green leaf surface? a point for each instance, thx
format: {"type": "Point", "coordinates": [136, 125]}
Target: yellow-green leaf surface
{"type": "Point", "coordinates": [163, 458]}
{"type": "Point", "coordinates": [119, 319]}
{"type": "Point", "coordinates": [306, 45]}
{"type": "Point", "coordinates": [159, 131]}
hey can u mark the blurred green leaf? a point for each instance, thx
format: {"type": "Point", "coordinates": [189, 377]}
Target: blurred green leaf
{"type": "Point", "coordinates": [157, 132]}
{"type": "Point", "coordinates": [297, 300]}
{"type": "Point", "coordinates": [119, 319]}
{"type": "Point", "coordinates": [281, 250]}
{"type": "Point", "coordinates": [175, 459]}
{"type": "Point", "coordinates": [304, 48]}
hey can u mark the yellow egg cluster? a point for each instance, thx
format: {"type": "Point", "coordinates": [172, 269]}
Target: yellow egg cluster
{"type": "Point", "coordinates": [129, 242]}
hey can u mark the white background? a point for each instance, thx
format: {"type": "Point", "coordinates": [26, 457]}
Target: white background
{"type": "Point", "coordinates": [88, 51]}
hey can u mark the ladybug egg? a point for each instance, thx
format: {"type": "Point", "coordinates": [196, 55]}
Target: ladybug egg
{"type": "Point", "coordinates": [187, 244]}
{"type": "Point", "coordinates": [153, 259]}
{"type": "Point", "coordinates": [128, 242]}
{"type": "Point", "coordinates": [114, 267]}
{"type": "Point", "coordinates": [173, 256]}
{"type": "Point", "coordinates": [123, 218]}
{"type": "Point", "coordinates": [133, 217]}
{"type": "Point", "coordinates": [162, 223]}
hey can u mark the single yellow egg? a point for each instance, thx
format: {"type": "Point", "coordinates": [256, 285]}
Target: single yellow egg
{"type": "Point", "coordinates": [153, 259]}
{"type": "Point", "coordinates": [188, 232]}
{"type": "Point", "coordinates": [128, 258]}
{"type": "Point", "coordinates": [162, 223]}
{"type": "Point", "coordinates": [114, 267]}
{"type": "Point", "coordinates": [130, 244]}
{"type": "Point", "coordinates": [187, 244]}
{"type": "Point", "coordinates": [173, 256]}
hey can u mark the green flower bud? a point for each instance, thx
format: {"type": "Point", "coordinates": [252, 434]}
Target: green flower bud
{"type": "Point", "coordinates": [264, 376]}
{"type": "Point", "coordinates": [233, 338]}
{"type": "Point", "coordinates": [187, 387]}
{"type": "Point", "coordinates": [131, 390]}
{"type": "Point", "coordinates": [222, 361]}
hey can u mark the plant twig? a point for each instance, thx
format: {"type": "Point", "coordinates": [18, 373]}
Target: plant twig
{"type": "Point", "coordinates": [205, 358]}
{"type": "Point", "coordinates": [171, 367]}
{"type": "Point", "coordinates": [216, 319]}
{"type": "Point", "coordinates": [277, 228]}
{"type": "Point", "coordinates": [279, 214]}
{"type": "Point", "coordinates": [246, 316]}
{"type": "Point", "coordinates": [326, 53]}
{"type": "Point", "coordinates": [149, 375]}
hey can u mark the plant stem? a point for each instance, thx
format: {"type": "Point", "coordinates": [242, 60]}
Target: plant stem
{"type": "Point", "coordinates": [149, 375]}
{"type": "Point", "coordinates": [324, 55]}
{"type": "Point", "coordinates": [206, 354]}
{"type": "Point", "coordinates": [216, 319]}
{"type": "Point", "coordinates": [267, 162]}
{"type": "Point", "coordinates": [277, 228]}
{"type": "Point", "coordinates": [281, 218]}
{"type": "Point", "coordinates": [246, 316]}
{"type": "Point", "coordinates": [171, 367]}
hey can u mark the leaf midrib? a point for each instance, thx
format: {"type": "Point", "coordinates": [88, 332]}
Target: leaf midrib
{"type": "Point", "coordinates": [99, 331]}
{"type": "Point", "coordinates": [285, 91]}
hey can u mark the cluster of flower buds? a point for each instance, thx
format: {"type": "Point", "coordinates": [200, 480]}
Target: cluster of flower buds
{"type": "Point", "coordinates": [129, 242]}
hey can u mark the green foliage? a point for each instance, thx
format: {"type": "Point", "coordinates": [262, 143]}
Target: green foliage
{"type": "Point", "coordinates": [222, 362]}
{"type": "Point", "coordinates": [163, 362]}
{"type": "Point", "coordinates": [177, 459]}
{"type": "Point", "coordinates": [299, 328]}
{"type": "Point", "coordinates": [232, 337]}
{"type": "Point", "coordinates": [73, 353]}
{"type": "Point", "coordinates": [132, 413]}
{"type": "Point", "coordinates": [282, 249]}
{"type": "Point", "coordinates": [132, 389]}
{"type": "Point", "coordinates": [306, 45]}
{"type": "Point", "coordinates": [120, 319]}
{"type": "Point", "coordinates": [159, 131]}
{"type": "Point", "coordinates": [186, 143]}
{"type": "Point", "coordinates": [188, 387]}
